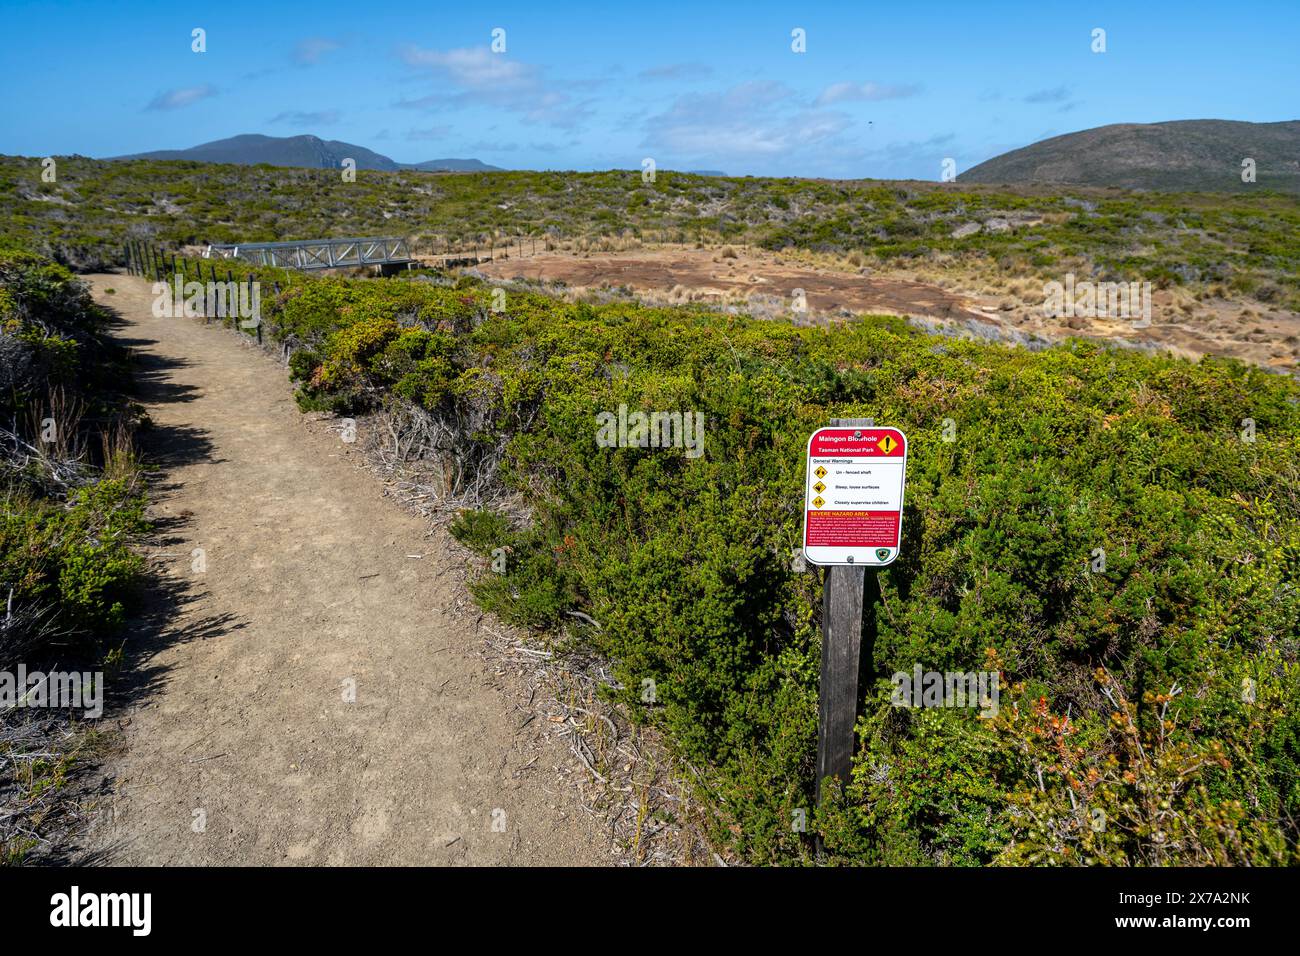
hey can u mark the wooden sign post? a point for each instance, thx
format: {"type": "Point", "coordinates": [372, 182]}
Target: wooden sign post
{"type": "Point", "coordinates": [853, 515]}
{"type": "Point", "coordinates": [837, 703]}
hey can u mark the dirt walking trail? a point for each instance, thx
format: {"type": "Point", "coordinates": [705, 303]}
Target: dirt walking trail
{"type": "Point", "coordinates": [238, 745]}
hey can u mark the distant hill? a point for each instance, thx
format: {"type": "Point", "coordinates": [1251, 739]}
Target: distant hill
{"type": "Point", "coordinates": [1200, 155]}
{"type": "Point", "coordinates": [252, 148]}
{"type": "Point", "coordinates": [249, 149]}
{"type": "Point", "coordinates": [453, 165]}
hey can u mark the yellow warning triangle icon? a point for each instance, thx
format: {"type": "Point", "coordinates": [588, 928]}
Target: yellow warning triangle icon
{"type": "Point", "coordinates": [818, 502]}
{"type": "Point", "coordinates": [819, 487]}
{"type": "Point", "coordinates": [887, 444]}
{"type": "Point", "coordinates": [820, 472]}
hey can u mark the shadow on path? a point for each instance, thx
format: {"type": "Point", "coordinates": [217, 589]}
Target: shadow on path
{"type": "Point", "coordinates": [160, 619]}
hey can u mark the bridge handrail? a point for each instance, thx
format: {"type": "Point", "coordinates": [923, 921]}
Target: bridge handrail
{"type": "Point", "coordinates": [318, 253]}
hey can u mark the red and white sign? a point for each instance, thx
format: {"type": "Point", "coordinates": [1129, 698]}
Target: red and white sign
{"type": "Point", "coordinates": [853, 510]}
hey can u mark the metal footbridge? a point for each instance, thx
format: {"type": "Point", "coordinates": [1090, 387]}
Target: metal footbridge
{"type": "Point", "coordinates": [390, 254]}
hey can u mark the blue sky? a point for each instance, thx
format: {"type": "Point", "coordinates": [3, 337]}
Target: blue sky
{"type": "Point", "coordinates": [883, 89]}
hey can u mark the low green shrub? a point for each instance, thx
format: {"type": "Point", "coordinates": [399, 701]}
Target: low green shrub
{"type": "Point", "coordinates": [71, 510]}
{"type": "Point", "coordinates": [1168, 238]}
{"type": "Point", "coordinates": [67, 569]}
{"type": "Point", "coordinates": [76, 558]}
{"type": "Point", "coordinates": [1025, 469]}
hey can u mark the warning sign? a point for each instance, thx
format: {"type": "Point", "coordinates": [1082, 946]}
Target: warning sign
{"type": "Point", "coordinates": [853, 511]}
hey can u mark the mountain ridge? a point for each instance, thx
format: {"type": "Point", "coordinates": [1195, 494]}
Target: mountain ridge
{"type": "Point", "coordinates": [1191, 155]}
{"type": "Point", "coordinates": [306, 150]}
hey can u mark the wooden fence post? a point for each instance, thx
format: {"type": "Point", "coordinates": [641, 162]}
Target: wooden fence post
{"type": "Point", "coordinates": [207, 298]}
{"type": "Point", "coordinates": [258, 327]}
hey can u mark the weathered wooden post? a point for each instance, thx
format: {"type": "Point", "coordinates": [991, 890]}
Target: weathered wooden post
{"type": "Point", "coordinates": [230, 284]}
{"type": "Point", "coordinates": [238, 324]}
{"type": "Point", "coordinates": [212, 274]}
{"type": "Point", "coordinates": [852, 521]}
{"type": "Point", "coordinates": [259, 326]}
{"type": "Point", "coordinates": [837, 703]}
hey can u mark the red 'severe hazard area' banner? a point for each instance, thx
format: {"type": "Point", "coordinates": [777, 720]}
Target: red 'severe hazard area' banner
{"type": "Point", "coordinates": [870, 529]}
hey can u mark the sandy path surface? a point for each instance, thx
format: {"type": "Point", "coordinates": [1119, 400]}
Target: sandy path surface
{"type": "Point", "coordinates": [239, 746]}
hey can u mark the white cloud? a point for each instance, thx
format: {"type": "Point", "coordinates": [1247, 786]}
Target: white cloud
{"type": "Point", "coordinates": [475, 68]}
{"type": "Point", "coordinates": [1057, 94]}
{"type": "Point", "coordinates": [311, 49]}
{"type": "Point", "coordinates": [432, 132]}
{"type": "Point", "coordinates": [180, 98]}
{"type": "Point", "coordinates": [299, 118]}
{"type": "Point", "coordinates": [755, 119]}
{"type": "Point", "coordinates": [870, 92]}
{"type": "Point", "coordinates": [677, 71]}
{"type": "Point", "coordinates": [492, 146]}
{"type": "Point", "coordinates": [919, 159]}
{"type": "Point", "coordinates": [478, 77]}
